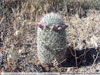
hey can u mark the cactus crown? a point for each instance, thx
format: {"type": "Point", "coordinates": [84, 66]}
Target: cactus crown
{"type": "Point", "coordinates": [52, 21]}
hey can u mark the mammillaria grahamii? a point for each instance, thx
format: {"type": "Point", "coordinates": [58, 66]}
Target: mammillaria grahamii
{"type": "Point", "coordinates": [51, 39]}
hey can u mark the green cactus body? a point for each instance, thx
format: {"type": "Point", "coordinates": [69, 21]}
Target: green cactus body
{"type": "Point", "coordinates": [51, 44]}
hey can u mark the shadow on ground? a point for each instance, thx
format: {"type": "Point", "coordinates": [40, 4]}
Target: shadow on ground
{"type": "Point", "coordinates": [84, 59]}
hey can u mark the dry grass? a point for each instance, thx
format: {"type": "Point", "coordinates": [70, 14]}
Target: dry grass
{"type": "Point", "coordinates": [18, 25]}
{"type": "Point", "coordinates": [84, 33]}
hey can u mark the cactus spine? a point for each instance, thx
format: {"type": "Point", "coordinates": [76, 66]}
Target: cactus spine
{"type": "Point", "coordinates": [51, 39]}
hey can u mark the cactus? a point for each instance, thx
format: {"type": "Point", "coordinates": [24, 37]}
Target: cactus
{"type": "Point", "coordinates": [51, 39]}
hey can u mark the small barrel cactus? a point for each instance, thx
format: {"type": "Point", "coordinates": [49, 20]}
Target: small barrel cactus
{"type": "Point", "coordinates": [51, 39]}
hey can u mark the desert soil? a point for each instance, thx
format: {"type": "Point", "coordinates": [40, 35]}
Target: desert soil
{"type": "Point", "coordinates": [18, 51]}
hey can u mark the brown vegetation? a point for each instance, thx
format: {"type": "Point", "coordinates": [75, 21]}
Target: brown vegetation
{"type": "Point", "coordinates": [18, 20]}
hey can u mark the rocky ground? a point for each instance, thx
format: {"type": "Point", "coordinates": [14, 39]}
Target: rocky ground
{"type": "Point", "coordinates": [18, 45]}
{"type": "Point", "coordinates": [18, 52]}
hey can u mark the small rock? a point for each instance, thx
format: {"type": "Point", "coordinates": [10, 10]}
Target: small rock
{"type": "Point", "coordinates": [97, 70]}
